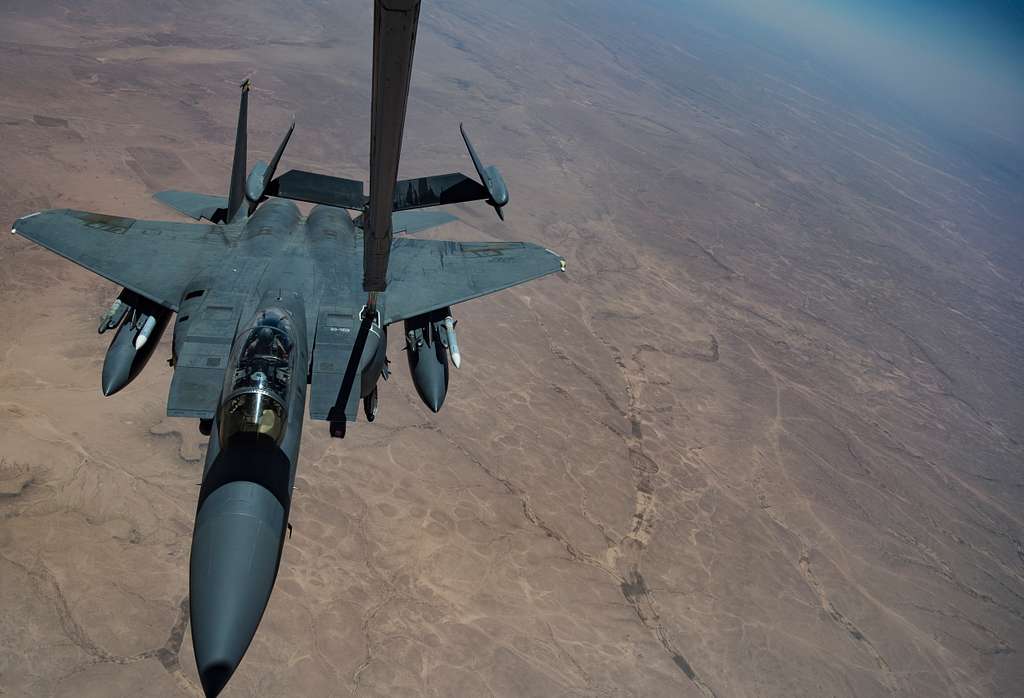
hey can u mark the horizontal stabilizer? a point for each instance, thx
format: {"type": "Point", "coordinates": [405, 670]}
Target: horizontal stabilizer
{"type": "Point", "coordinates": [422, 192]}
{"type": "Point", "coordinates": [198, 206]}
{"type": "Point", "coordinates": [318, 189]}
{"type": "Point", "coordinates": [437, 190]}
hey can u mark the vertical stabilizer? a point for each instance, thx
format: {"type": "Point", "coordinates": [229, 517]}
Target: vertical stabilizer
{"type": "Point", "coordinates": [394, 41]}
{"type": "Point", "coordinates": [236, 193]}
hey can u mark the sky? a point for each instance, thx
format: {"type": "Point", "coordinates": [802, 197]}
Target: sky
{"type": "Point", "coordinates": [959, 62]}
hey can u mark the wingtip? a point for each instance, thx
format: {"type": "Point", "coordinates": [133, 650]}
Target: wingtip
{"type": "Point", "coordinates": [14, 226]}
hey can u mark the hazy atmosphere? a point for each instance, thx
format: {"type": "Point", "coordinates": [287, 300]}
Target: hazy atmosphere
{"type": "Point", "coordinates": [762, 438]}
{"type": "Point", "coordinates": [959, 64]}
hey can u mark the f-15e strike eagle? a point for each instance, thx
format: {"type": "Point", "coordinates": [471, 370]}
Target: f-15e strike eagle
{"type": "Point", "coordinates": [267, 302]}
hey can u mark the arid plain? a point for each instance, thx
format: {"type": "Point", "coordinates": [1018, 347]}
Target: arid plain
{"type": "Point", "coordinates": [764, 437]}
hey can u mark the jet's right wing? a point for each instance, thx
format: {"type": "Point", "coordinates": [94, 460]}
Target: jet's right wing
{"type": "Point", "coordinates": [431, 274]}
{"type": "Point", "coordinates": [155, 259]}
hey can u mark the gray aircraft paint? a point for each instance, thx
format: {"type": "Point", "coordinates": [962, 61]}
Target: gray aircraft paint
{"type": "Point", "coordinates": [257, 257]}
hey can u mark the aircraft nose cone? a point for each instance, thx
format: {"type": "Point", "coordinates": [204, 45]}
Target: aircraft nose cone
{"type": "Point", "coordinates": [236, 548]}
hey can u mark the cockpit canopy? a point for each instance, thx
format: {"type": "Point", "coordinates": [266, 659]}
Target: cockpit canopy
{"type": "Point", "coordinates": [256, 388]}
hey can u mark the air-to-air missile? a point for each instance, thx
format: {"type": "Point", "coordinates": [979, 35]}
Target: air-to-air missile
{"type": "Point", "coordinates": [429, 341]}
{"type": "Point", "coordinates": [453, 341]}
{"type": "Point", "coordinates": [112, 318]}
{"type": "Point", "coordinates": [139, 323]}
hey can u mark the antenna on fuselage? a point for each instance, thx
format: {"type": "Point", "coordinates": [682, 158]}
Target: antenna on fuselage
{"type": "Point", "coordinates": [394, 42]}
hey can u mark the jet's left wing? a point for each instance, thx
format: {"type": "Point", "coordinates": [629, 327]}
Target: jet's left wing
{"type": "Point", "coordinates": [431, 274]}
{"type": "Point", "coordinates": [155, 259]}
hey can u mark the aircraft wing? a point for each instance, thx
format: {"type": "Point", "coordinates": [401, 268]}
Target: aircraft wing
{"type": "Point", "coordinates": [153, 258]}
{"type": "Point", "coordinates": [431, 274]}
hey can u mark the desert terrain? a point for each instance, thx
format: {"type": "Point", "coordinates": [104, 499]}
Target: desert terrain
{"type": "Point", "coordinates": [764, 436]}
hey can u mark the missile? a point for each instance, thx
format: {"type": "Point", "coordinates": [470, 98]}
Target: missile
{"type": "Point", "coordinates": [147, 329]}
{"type": "Point", "coordinates": [112, 318]}
{"type": "Point", "coordinates": [453, 342]}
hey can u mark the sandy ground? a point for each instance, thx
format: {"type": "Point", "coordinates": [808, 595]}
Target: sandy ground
{"type": "Point", "coordinates": [763, 438]}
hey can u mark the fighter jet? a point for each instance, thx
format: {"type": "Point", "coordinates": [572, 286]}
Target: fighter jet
{"type": "Point", "coordinates": [268, 302]}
